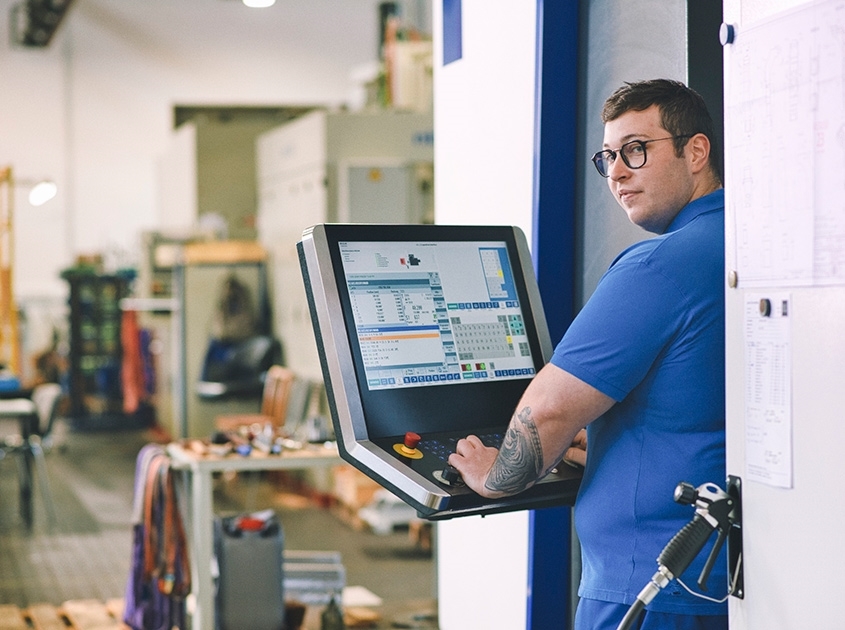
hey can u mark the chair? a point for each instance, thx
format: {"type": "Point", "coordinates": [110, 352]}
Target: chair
{"type": "Point", "coordinates": [236, 369]}
{"type": "Point", "coordinates": [275, 397]}
{"type": "Point", "coordinates": [36, 416]}
{"type": "Point", "coordinates": [46, 398]}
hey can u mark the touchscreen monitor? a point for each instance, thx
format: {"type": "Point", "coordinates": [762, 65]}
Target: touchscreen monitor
{"type": "Point", "coordinates": [427, 334]}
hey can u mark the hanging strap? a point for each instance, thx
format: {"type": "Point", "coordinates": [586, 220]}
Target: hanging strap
{"type": "Point", "coordinates": [142, 466]}
{"type": "Point", "coordinates": [165, 547]}
{"type": "Point", "coordinates": [176, 579]}
{"type": "Point", "coordinates": [151, 525]}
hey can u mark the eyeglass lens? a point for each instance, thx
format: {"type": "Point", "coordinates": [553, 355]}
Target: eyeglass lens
{"type": "Point", "coordinates": [633, 153]}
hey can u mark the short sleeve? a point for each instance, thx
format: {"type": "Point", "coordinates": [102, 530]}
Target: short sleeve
{"type": "Point", "coordinates": [628, 322]}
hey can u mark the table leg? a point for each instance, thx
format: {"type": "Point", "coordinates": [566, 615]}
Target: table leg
{"type": "Point", "coordinates": [25, 465]}
{"type": "Point", "coordinates": [202, 544]}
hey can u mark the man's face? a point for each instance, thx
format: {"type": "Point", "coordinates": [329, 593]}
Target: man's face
{"type": "Point", "coordinates": [654, 194]}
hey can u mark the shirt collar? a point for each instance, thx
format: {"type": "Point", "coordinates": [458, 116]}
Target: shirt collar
{"type": "Point", "coordinates": [707, 203]}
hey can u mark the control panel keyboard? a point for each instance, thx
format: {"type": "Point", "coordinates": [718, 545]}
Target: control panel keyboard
{"type": "Point", "coordinates": [443, 447]}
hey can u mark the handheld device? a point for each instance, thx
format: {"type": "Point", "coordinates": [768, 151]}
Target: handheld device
{"type": "Point", "coordinates": [426, 334]}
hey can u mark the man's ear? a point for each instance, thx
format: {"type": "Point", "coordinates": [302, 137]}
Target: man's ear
{"type": "Point", "coordinates": [698, 152]}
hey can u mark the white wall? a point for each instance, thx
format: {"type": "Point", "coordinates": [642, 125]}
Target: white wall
{"type": "Point", "coordinates": [94, 110]}
{"type": "Point", "coordinates": [793, 548]}
{"type": "Point", "coordinates": [176, 179]}
{"type": "Point", "coordinates": [484, 116]}
{"type": "Point", "coordinates": [483, 157]}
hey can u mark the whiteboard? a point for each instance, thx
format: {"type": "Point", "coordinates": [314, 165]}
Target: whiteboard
{"type": "Point", "coordinates": [785, 179]}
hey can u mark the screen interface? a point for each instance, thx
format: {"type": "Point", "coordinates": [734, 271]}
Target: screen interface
{"type": "Point", "coordinates": [435, 313]}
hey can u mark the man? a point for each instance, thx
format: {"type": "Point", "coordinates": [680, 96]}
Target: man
{"type": "Point", "coordinates": [642, 367]}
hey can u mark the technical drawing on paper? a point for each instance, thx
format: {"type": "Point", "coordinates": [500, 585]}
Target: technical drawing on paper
{"type": "Point", "coordinates": [785, 122]}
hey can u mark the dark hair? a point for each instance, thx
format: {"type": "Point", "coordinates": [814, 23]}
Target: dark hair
{"type": "Point", "coordinates": [682, 112]}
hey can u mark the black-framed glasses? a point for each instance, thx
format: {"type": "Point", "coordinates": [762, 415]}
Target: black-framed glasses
{"type": "Point", "coordinates": [633, 153]}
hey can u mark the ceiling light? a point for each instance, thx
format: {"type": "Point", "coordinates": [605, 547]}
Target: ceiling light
{"type": "Point", "coordinates": [259, 4]}
{"type": "Point", "coordinates": [42, 192]}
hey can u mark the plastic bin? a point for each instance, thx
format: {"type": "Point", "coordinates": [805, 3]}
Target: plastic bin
{"type": "Point", "coordinates": [250, 591]}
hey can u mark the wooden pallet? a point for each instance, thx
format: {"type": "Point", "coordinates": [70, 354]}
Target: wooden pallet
{"type": "Point", "coordinates": [77, 614]}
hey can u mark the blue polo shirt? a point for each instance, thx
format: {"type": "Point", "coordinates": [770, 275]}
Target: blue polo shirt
{"type": "Point", "coordinates": [652, 337]}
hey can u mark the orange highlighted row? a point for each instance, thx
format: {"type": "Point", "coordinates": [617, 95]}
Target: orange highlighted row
{"type": "Point", "coordinates": [399, 337]}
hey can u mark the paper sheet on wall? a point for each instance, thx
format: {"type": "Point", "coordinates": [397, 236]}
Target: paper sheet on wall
{"type": "Point", "coordinates": [768, 389]}
{"type": "Point", "coordinates": [785, 106]}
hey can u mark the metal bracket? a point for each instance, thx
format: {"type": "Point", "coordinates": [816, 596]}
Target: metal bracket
{"type": "Point", "coordinates": [736, 570]}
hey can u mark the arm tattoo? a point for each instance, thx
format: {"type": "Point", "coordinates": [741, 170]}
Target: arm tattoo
{"type": "Point", "coordinates": [520, 460]}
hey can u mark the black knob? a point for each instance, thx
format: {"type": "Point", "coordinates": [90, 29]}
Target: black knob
{"type": "Point", "coordinates": [685, 493]}
{"type": "Point", "coordinates": [451, 475]}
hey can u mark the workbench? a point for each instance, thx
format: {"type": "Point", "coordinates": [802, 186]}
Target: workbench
{"type": "Point", "coordinates": [198, 470]}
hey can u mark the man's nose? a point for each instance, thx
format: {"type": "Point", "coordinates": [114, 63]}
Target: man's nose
{"type": "Point", "coordinates": [618, 169]}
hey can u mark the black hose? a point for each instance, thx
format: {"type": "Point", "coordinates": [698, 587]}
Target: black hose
{"type": "Point", "coordinates": [631, 616]}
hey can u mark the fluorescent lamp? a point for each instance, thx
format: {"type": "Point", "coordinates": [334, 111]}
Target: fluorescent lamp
{"type": "Point", "coordinates": [259, 4]}
{"type": "Point", "coordinates": [42, 192]}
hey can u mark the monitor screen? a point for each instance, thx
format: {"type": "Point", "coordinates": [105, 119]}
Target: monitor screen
{"type": "Point", "coordinates": [429, 313]}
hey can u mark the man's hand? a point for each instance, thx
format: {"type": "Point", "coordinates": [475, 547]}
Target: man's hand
{"type": "Point", "coordinates": [474, 461]}
{"type": "Point", "coordinates": [577, 452]}
{"type": "Point", "coordinates": [510, 470]}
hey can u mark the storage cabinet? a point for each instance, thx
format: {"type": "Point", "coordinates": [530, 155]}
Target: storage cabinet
{"type": "Point", "coordinates": [95, 349]}
{"type": "Point", "coordinates": [367, 167]}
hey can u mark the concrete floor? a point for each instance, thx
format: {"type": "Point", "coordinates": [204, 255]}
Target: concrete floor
{"type": "Point", "coordinates": [86, 553]}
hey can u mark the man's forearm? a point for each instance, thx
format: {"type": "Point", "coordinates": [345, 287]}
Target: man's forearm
{"type": "Point", "coordinates": [519, 463]}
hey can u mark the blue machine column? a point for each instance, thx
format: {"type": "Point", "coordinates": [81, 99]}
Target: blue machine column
{"type": "Point", "coordinates": [555, 168]}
